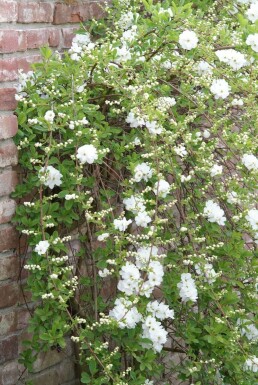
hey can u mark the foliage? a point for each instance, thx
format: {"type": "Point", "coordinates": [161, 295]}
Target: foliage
{"type": "Point", "coordinates": [139, 190]}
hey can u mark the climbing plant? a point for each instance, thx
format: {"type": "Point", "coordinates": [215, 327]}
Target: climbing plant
{"type": "Point", "coordinates": [138, 150]}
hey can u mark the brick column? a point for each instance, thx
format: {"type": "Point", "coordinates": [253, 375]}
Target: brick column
{"type": "Point", "coordinates": [24, 27]}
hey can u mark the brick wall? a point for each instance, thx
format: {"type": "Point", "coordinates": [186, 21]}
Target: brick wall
{"type": "Point", "coordinates": [24, 27]}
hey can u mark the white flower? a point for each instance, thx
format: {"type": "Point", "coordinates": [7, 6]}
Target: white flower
{"type": "Point", "coordinates": [206, 134]}
{"type": "Point", "coordinates": [123, 54]}
{"type": "Point", "coordinates": [232, 197]}
{"type": "Point", "coordinates": [142, 171]}
{"type": "Point", "coordinates": [130, 34]}
{"type": "Point", "coordinates": [148, 382]}
{"type": "Point", "coordinates": [126, 20]}
{"type": "Point", "coordinates": [252, 12]}
{"type": "Point", "coordinates": [125, 313]}
{"type": "Point", "coordinates": [216, 170]}
{"type": "Point", "coordinates": [162, 188]}
{"type": "Point", "coordinates": [233, 58]}
{"type": "Point", "coordinates": [168, 11]}
{"type": "Point", "coordinates": [252, 40]}
{"type": "Point", "coordinates": [122, 224]}
{"type": "Point", "coordinates": [206, 270]}
{"type": "Point", "coordinates": [130, 279]}
{"type": "Point", "coordinates": [188, 291]}
{"type": "Point", "coordinates": [134, 121]}
{"type": "Point", "coordinates": [87, 154]}
{"type": "Point", "coordinates": [180, 150]}
{"type": "Point", "coordinates": [102, 237]}
{"type": "Point", "coordinates": [50, 176]}
{"type": "Point", "coordinates": [214, 213]}
{"type": "Point", "coordinates": [164, 103]}
{"type": "Point", "coordinates": [188, 40]}
{"type": "Point", "coordinates": [144, 256]}
{"type": "Point", "coordinates": [142, 219]}
{"type": "Point", "coordinates": [153, 127]}
{"type": "Point", "coordinates": [237, 102]}
{"type": "Point", "coordinates": [220, 88]}
{"type": "Point", "coordinates": [250, 161]}
{"type": "Point", "coordinates": [204, 68]}
{"type": "Point", "coordinates": [160, 310]}
{"type": "Point", "coordinates": [154, 331]}
{"type": "Point", "coordinates": [54, 276]}
{"type": "Point", "coordinates": [69, 197]}
{"type": "Point", "coordinates": [248, 329]}
{"type": "Point", "coordinates": [104, 273]}
{"type": "Point", "coordinates": [42, 247]}
{"type": "Point", "coordinates": [251, 364]}
{"type": "Point", "coordinates": [134, 204]}
{"type": "Point", "coordinates": [49, 116]}
{"type": "Point", "coordinates": [155, 273]}
{"type": "Point", "coordinates": [167, 65]}
{"type": "Point", "coordinates": [82, 39]}
{"type": "Point", "coordinates": [252, 218]}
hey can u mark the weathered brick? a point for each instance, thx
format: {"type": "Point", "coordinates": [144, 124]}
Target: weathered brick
{"type": "Point", "coordinates": [8, 323]}
{"type": "Point", "coordinates": [9, 267]}
{"type": "Point", "coordinates": [8, 349]}
{"type": "Point", "coordinates": [54, 37]}
{"type": "Point", "coordinates": [68, 35]}
{"type": "Point", "coordinates": [12, 41]}
{"type": "Point", "coordinates": [13, 320]}
{"type": "Point", "coordinates": [8, 126]}
{"type": "Point", "coordinates": [7, 210]}
{"type": "Point", "coordinates": [10, 295]}
{"type": "Point", "coordinates": [46, 359]}
{"type": "Point", "coordinates": [8, 11]}
{"type": "Point", "coordinates": [66, 371]}
{"type": "Point", "coordinates": [10, 373]}
{"type": "Point", "coordinates": [32, 12]}
{"type": "Point", "coordinates": [49, 377]}
{"type": "Point", "coordinates": [38, 37]}
{"type": "Point", "coordinates": [9, 67]}
{"type": "Point", "coordinates": [7, 100]}
{"type": "Point", "coordinates": [8, 154]}
{"type": "Point", "coordinates": [8, 181]}
{"type": "Point", "coordinates": [65, 13]}
{"type": "Point", "coordinates": [8, 238]}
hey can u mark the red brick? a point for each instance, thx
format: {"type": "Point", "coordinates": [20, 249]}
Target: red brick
{"type": "Point", "coordinates": [9, 267]}
{"type": "Point", "coordinates": [8, 239]}
{"type": "Point", "coordinates": [12, 41]}
{"type": "Point", "coordinates": [8, 349]}
{"type": "Point", "coordinates": [8, 153]}
{"type": "Point", "coordinates": [7, 210]}
{"type": "Point", "coordinates": [8, 181]}
{"type": "Point", "coordinates": [38, 37]}
{"type": "Point", "coordinates": [68, 35]}
{"type": "Point", "coordinates": [32, 12]}
{"type": "Point", "coordinates": [54, 37]}
{"type": "Point", "coordinates": [7, 100]}
{"type": "Point", "coordinates": [65, 13]}
{"type": "Point", "coordinates": [8, 126]}
{"type": "Point", "coordinates": [10, 67]}
{"type": "Point", "coordinates": [8, 11]}
{"type": "Point", "coordinates": [10, 373]}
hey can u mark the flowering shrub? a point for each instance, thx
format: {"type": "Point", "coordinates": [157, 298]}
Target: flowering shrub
{"type": "Point", "coordinates": [141, 143]}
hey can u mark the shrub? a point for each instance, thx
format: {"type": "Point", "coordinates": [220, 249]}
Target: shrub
{"type": "Point", "coordinates": [140, 143]}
